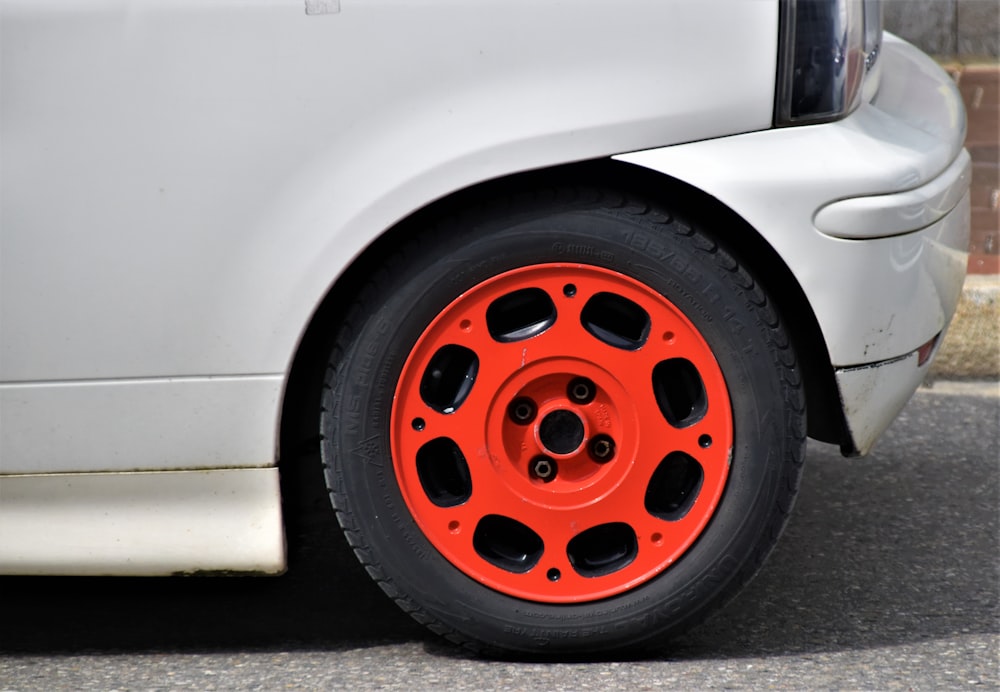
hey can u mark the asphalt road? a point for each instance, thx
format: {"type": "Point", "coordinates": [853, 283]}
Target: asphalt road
{"type": "Point", "coordinates": [888, 577]}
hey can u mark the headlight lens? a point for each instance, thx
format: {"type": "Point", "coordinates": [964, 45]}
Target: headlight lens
{"type": "Point", "coordinates": [827, 47]}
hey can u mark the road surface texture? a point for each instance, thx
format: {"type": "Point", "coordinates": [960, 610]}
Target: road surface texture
{"type": "Point", "coordinates": [887, 577]}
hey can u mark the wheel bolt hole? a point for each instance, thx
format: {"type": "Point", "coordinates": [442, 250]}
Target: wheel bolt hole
{"type": "Point", "coordinates": [705, 441]}
{"type": "Point", "coordinates": [581, 390]}
{"type": "Point", "coordinates": [454, 527]}
{"type": "Point", "coordinates": [544, 469]}
{"type": "Point", "coordinates": [657, 538]}
{"type": "Point", "coordinates": [419, 424]}
{"type": "Point", "coordinates": [602, 448]}
{"type": "Point", "coordinates": [465, 325]}
{"type": "Point", "coordinates": [553, 575]}
{"type": "Point", "coordinates": [668, 337]}
{"type": "Point", "coordinates": [569, 290]}
{"type": "Point", "coordinates": [522, 411]}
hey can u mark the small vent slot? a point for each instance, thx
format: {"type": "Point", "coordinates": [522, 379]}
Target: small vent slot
{"type": "Point", "coordinates": [679, 392]}
{"type": "Point", "coordinates": [507, 544]}
{"type": "Point", "coordinates": [520, 315]}
{"type": "Point", "coordinates": [444, 473]}
{"type": "Point", "coordinates": [674, 487]}
{"type": "Point", "coordinates": [449, 378]}
{"type": "Point", "coordinates": [602, 549]}
{"type": "Point", "coordinates": [616, 321]}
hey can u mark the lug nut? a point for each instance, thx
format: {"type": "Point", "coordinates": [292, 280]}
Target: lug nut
{"type": "Point", "coordinates": [581, 390]}
{"type": "Point", "coordinates": [602, 448]}
{"type": "Point", "coordinates": [543, 469]}
{"type": "Point", "coordinates": [522, 410]}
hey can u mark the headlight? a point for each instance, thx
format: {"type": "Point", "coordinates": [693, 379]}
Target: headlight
{"type": "Point", "coordinates": [826, 49]}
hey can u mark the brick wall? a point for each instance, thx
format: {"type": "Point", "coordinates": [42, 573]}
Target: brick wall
{"type": "Point", "coordinates": [965, 34]}
{"type": "Point", "coordinates": [980, 87]}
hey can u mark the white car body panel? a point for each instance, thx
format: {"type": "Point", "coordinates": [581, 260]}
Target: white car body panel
{"type": "Point", "coordinates": [142, 524]}
{"type": "Point", "coordinates": [135, 131]}
{"type": "Point", "coordinates": [133, 425]}
{"type": "Point", "coordinates": [885, 297]}
{"type": "Point", "coordinates": [901, 212]}
{"type": "Point", "coordinates": [874, 395]}
{"type": "Point", "coordinates": [255, 158]}
{"type": "Point", "coordinates": [183, 182]}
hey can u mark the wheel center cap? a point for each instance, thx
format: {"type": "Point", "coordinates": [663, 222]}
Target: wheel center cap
{"type": "Point", "coordinates": [561, 432]}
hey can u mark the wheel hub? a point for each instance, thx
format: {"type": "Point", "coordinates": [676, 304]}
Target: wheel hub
{"type": "Point", "coordinates": [561, 432]}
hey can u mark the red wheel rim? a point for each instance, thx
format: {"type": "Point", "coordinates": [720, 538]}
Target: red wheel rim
{"type": "Point", "coordinates": [561, 433]}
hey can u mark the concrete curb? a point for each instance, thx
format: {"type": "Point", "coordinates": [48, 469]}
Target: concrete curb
{"type": "Point", "coordinates": [971, 348]}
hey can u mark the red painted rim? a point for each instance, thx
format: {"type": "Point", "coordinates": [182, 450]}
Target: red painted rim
{"type": "Point", "coordinates": [561, 433]}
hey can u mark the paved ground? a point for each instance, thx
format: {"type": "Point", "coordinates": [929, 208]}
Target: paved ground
{"type": "Point", "coordinates": [971, 348]}
{"type": "Point", "coordinates": [888, 577]}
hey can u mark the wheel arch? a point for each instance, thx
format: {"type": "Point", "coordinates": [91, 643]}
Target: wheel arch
{"type": "Point", "coordinates": [298, 427]}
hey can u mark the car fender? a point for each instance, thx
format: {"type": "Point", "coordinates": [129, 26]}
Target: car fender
{"type": "Point", "coordinates": [183, 182]}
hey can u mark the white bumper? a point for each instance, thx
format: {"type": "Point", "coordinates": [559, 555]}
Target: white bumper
{"type": "Point", "coordinates": [871, 214]}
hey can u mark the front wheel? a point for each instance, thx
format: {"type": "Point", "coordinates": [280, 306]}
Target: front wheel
{"type": "Point", "coordinates": [562, 426]}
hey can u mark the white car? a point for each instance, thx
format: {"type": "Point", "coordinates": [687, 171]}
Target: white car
{"type": "Point", "coordinates": [561, 287]}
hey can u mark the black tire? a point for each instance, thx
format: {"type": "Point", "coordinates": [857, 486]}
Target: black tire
{"type": "Point", "coordinates": [596, 228]}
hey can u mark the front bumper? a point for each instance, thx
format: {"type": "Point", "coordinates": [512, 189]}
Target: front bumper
{"type": "Point", "coordinates": [871, 215]}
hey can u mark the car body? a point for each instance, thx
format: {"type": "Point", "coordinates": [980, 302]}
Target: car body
{"type": "Point", "coordinates": [192, 192]}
